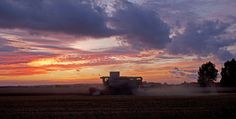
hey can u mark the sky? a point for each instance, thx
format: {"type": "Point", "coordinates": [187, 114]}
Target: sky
{"type": "Point", "coordinates": [77, 41]}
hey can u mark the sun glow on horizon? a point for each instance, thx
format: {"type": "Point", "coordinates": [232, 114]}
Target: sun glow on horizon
{"type": "Point", "coordinates": [54, 61]}
{"type": "Point", "coordinates": [43, 62]}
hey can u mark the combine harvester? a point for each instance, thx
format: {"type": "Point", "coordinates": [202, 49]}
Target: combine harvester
{"type": "Point", "coordinates": [118, 85]}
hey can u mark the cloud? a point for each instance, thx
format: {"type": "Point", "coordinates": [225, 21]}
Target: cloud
{"type": "Point", "coordinates": [190, 10]}
{"type": "Point", "coordinates": [67, 16]}
{"type": "Point", "coordinates": [8, 58]}
{"type": "Point", "coordinates": [203, 39]}
{"type": "Point", "coordinates": [180, 73]}
{"type": "Point", "coordinates": [4, 46]}
{"type": "Point", "coordinates": [142, 28]}
{"type": "Point", "coordinates": [138, 25]}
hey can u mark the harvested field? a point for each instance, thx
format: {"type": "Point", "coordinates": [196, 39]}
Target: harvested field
{"type": "Point", "coordinates": [117, 107]}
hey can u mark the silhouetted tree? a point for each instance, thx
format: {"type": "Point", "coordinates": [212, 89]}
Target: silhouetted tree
{"type": "Point", "coordinates": [207, 74]}
{"type": "Point", "coordinates": [228, 73]}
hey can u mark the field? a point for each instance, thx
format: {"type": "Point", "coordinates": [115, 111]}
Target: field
{"type": "Point", "coordinates": [117, 107]}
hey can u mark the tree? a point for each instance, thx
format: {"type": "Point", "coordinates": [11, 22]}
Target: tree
{"type": "Point", "coordinates": [207, 74]}
{"type": "Point", "coordinates": [228, 73]}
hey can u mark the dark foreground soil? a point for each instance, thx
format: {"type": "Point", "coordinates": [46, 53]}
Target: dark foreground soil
{"type": "Point", "coordinates": [117, 107]}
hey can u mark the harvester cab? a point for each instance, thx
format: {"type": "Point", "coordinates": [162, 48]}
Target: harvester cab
{"type": "Point", "coordinates": [116, 84]}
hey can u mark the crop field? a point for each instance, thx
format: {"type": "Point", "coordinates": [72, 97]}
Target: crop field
{"type": "Point", "coordinates": [117, 107]}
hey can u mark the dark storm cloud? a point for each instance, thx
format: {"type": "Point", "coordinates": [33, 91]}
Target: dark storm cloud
{"type": "Point", "coordinates": [78, 17]}
{"type": "Point", "coordinates": [142, 27]}
{"type": "Point", "coordinates": [138, 24]}
{"type": "Point", "coordinates": [190, 14]}
{"type": "Point", "coordinates": [203, 39]}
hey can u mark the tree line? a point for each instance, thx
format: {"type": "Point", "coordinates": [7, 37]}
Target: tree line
{"type": "Point", "coordinates": [207, 74]}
